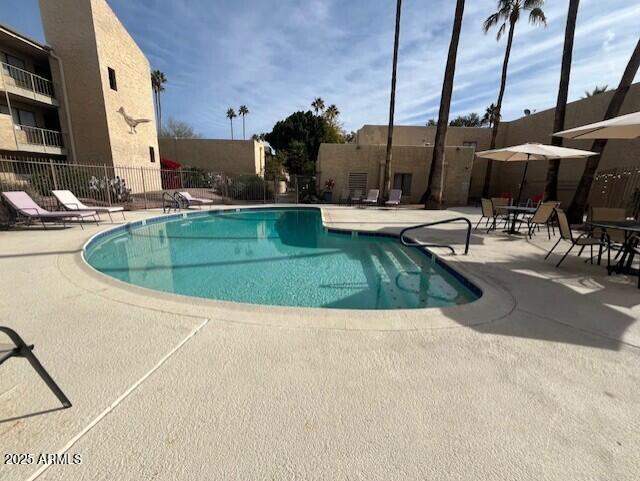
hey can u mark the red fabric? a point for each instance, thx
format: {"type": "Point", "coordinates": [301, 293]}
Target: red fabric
{"type": "Point", "coordinates": [170, 164]}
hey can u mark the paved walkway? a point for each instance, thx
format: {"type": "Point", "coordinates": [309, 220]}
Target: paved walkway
{"type": "Point", "coordinates": [165, 389]}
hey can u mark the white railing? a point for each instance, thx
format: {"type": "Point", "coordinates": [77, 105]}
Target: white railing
{"type": "Point", "coordinates": [35, 136]}
{"type": "Point", "coordinates": [28, 81]}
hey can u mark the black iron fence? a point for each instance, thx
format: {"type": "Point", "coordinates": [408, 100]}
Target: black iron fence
{"type": "Point", "coordinates": [142, 187]}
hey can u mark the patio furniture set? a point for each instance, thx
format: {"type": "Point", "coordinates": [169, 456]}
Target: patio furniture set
{"type": "Point", "coordinates": [372, 198]}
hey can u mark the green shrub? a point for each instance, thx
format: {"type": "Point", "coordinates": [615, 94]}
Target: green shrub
{"type": "Point", "coordinates": [249, 187]}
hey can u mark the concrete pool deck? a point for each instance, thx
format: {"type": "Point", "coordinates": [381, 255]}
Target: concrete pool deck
{"type": "Point", "coordinates": [168, 388]}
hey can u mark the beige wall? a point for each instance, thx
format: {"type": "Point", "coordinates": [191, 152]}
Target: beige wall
{"type": "Point", "coordinates": [89, 38]}
{"type": "Point", "coordinates": [7, 138]}
{"type": "Point", "coordinates": [335, 161]}
{"type": "Point", "coordinates": [228, 156]}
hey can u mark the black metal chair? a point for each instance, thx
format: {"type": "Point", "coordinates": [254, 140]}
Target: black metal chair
{"type": "Point", "coordinates": [583, 240]}
{"type": "Point", "coordinates": [22, 349]}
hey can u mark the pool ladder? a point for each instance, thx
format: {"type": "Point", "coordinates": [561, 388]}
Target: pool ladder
{"type": "Point", "coordinates": [415, 243]}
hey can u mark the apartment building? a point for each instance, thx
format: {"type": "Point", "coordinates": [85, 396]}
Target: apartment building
{"type": "Point", "coordinates": [84, 97]}
{"type": "Point", "coordinates": [357, 165]}
{"type": "Point", "coordinates": [30, 100]}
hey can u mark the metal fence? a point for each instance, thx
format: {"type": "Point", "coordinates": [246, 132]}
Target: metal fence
{"type": "Point", "coordinates": [142, 187]}
{"type": "Point", "coordinates": [619, 188]}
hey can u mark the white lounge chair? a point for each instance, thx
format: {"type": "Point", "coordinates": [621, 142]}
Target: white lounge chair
{"type": "Point", "coordinates": [394, 197]}
{"type": "Point", "coordinates": [190, 200]}
{"type": "Point", "coordinates": [25, 206]}
{"type": "Point", "coordinates": [372, 197]}
{"type": "Point", "coordinates": [70, 202]}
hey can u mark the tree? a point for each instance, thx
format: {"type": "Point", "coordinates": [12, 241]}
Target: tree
{"type": "Point", "coordinates": [331, 114]}
{"type": "Point", "coordinates": [318, 105]}
{"type": "Point", "coordinates": [243, 110]}
{"type": "Point", "coordinates": [231, 114]}
{"type": "Point", "coordinates": [386, 186]}
{"type": "Point", "coordinates": [551, 184]}
{"type": "Point", "coordinates": [436, 172]}
{"type": "Point", "coordinates": [298, 138]}
{"type": "Point", "coordinates": [508, 13]}
{"type": "Point", "coordinates": [490, 115]}
{"type": "Point", "coordinates": [178, 129]}
{"type": "Point", "coordinates": [597, 90]}
{"type": "Point", "coordinates": [579, 203]}
{"type": "Point", "coordinates": [158, 79]}
{"type": "Point", "coordinates": [432, 123]}
{"type": "Point", "coordinates": [469, 120]}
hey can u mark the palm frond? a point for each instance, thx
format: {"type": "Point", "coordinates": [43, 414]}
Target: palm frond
{"type": "Point", "coordinates": [537, 17]}
{"type": "Point", "coordinates": [531, 4]}
{"type": "Point", "coordinates": [491, 21]}
{"type": "Point", "coordinates": [503, 28]}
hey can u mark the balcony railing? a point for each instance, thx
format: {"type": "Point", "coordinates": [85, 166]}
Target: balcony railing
{"type": "Point", "coordinates": [27, 80]}
{"type": "Point", "coordinates": [35, 136]}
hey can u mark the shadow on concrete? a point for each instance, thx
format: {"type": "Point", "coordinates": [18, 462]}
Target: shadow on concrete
{"type": "Point", "coordinates": [33, 414]}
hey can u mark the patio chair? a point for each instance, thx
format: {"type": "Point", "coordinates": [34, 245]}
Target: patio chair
{"type": "Point", "coordinates": [356, 196]}
{"type": "Point", "coordinates": [372, 197]}
{"type": "Point", "coordinates": [583, 240]}
{"type": "Point", "coordinates": [344, 196]}
{"type": "Point", "coordinates": [542, 216]}
{"type": "Point", "coordinates": [487, 212]}
{"type": "Point", "coordinates": [616, 237]}
{"type": "Point", "coordinates": [21, 349]}
{"type": "Point", "coordinates": [25, 206]}
{"type": "Point", "coordinates": [171, 201]}
{"type": "Point", "coordinates": [394, 197]}
{"type": "Point", "coordinates": [70, 202]}
{"type": "Point", "coordinates": [189, 200]}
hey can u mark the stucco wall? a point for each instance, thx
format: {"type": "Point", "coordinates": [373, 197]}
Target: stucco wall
{"type": "Point", "coordinates": [228, 156]}
{"type": "Point", "coordinates": [336, 161]}
{"type": "Point", "coordinates": [7, 138]}
{"type": "Point", "coordinates": [68, 28]}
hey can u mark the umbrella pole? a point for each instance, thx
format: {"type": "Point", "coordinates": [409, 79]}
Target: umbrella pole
{"type": "Point", "coordinates": [515, 213]}
{"type": "Point", "coordinates": [524, 177]}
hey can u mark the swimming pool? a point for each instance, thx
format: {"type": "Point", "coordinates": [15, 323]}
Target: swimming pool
{"type": "Point", "coordinates": [282, 257]}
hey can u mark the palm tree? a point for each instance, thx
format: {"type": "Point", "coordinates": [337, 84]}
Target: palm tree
{"type": "Point", "coordinates": [231, 114]}
{"type": "Point", "coordinates": [318, 105]}
{"type": "Point", "coordinates": [386, 175]}
{"type": "Point", "coordinates": [436, 177]}
{"type": "Point", "coordinates": [243, 110]}
{"type": "Point", "coordinates": [331, 114]}
{"type": "Point", "coordinates": [597, 90]}
{"type": "Point", "coordinates": [508, 13]}
{"type": "Point", "coordinates": [577, 207]}
{"type": "Point", "coordinates": [551, 185]}
{"type": "Point", "coordinates": [158, 79]}
{"type": "Point", "coordinates": [490, 115]}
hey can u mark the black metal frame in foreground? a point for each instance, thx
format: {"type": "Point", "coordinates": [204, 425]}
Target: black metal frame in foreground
{"type": "Point", "coordinates": [25, 350]}
{"type": "Point", "coordinates": [429, 224]}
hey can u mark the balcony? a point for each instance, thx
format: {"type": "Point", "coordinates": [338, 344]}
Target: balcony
{"type": "Point", "coordinates": [34, 139]}
{"type": "Point", "coordinates": [27, 85]}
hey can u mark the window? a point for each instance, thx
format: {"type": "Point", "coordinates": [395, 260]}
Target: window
{"type": "Point", "coordinates": [357, 182]}
{"type": "Point", "coordinates": [24, 117]}
{"type": "Point", "coordinates": [152, 154]}
{"type": "Point", "coordinates": [4, 109]}
{"type": "Point", "coordinates": [402, 182]}
{"type": "Point", "coordinates": [15, 61]}
{"type": "Point", "coordinates": [112, 79]}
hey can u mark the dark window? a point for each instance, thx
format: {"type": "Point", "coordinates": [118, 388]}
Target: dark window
{"type": "Point", "coordinates": [112, 79]}
{"type": "Point", "coordinates": [15, 61]}
{"type": "Point", "coordinates": [152, 154]}
{"type": "Point", "coordinates": [403, 182]}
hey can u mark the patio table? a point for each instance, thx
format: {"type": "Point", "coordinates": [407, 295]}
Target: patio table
{"type": "Point", "coordinates": [514, 211]}
{"type": "Point", "coordinates": [631, 230]}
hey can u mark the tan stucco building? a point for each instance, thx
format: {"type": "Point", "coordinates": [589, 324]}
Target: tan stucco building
{"type": "Point", "coordinates": [506, 176]}
{"type": "Point", "coordinates": [61, 101]}
{"type": "Point", "coordinates": [216, 155]}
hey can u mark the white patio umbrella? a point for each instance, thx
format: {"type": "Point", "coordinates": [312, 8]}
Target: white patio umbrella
{"type": "Point", "coordinates": [532, 151]}
{"type": "Point", "coordinates": [623, 127]}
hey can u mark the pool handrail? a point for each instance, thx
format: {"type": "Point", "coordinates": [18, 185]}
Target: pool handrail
{"type": "Point", "coordinates": [429, 224]}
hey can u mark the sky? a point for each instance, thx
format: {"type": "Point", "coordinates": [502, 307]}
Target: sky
{"type": "Point", "coordinates": [276, 56]}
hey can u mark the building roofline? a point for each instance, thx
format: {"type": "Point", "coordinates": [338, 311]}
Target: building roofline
{"type": "Point", "coordinates": [24, 38]}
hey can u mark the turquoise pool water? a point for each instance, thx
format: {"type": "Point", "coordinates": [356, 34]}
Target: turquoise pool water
{"type": "Point", "coordinates": [278, 257]}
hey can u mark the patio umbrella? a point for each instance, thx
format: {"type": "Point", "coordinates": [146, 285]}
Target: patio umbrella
{"type": "Point", "coordinates": [532, 151]}
{"type": "Point", "coordinates": [623, 127]}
